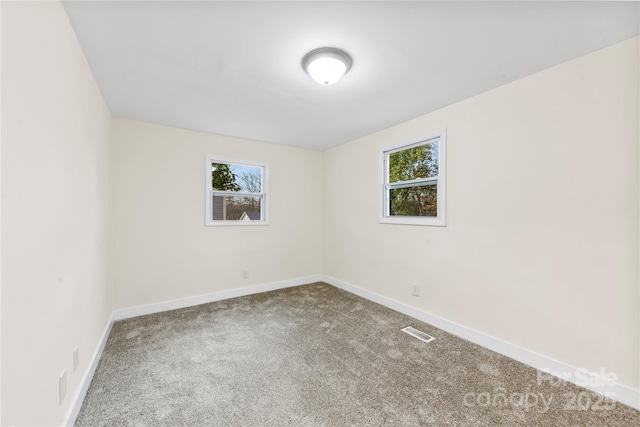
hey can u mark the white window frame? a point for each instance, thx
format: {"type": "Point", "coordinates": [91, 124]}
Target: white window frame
{"type": "Point", "coordinates": [385, 186]}
{"type": "Point", "coordinates": [209, 191]}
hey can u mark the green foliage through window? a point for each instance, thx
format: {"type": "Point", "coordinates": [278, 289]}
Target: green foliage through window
{"type": "Point", "coordinates": [413, 193]}
{"type": "Point", "coordinates": [414, 201]}
{"type": "Point", "coordinates": [414, 163]}
{"type": "Point", "coordinates": [223, 179]}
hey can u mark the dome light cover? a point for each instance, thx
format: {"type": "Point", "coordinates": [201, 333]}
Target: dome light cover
{"type": "Point", "coordinates": [326, 65]}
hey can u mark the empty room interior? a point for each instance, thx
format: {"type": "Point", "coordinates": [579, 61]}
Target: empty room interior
{"type": "Point", "coordinates": [320, 213]}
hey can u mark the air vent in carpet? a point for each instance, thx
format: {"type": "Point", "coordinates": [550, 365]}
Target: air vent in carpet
{"type": "Point", "coordinates": [418, 334]}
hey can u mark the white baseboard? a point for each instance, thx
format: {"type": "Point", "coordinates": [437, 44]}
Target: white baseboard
{"type": "Point", "coordinates": [216, 296]}
{"type": "Point", "coordinates": [70, 419]}
{"type": "Point", "coordinates": [617, 392]}
{"type": "Point", "coordinates": [591, 381]}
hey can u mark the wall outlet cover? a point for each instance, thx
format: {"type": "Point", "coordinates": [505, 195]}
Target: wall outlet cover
{"type": "Point", "coordinates": [415, 290]}
{"type": "Point", "coordinates": [76, 358]}
{"type": "Point", "coordinates": [62, 386]}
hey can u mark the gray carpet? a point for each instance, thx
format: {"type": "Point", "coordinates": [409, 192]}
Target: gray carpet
{"type": "Point", "coordinates": [315, 355]}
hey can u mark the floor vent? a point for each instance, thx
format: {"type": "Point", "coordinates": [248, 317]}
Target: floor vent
{"type": "Point", "coordinates": [418, 334]}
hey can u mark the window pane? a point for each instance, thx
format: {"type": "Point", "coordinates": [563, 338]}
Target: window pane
{"type": "Point", "coordinates": [231, 177]}
{"type": "Point", "coordinates": [414, 201]}
{"type": "Point", "coordinates": [236, 208]}
{"type": "Point", "coordinates": [413, 163]}
{"type": "Point", "coordinates": [223, 178]}
{"type": "Point", "coordinates": [249, 178]}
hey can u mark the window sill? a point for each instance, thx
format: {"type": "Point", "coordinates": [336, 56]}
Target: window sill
{"type": "Point", "coordinates": [413, 220]}
{"type": "Point", "coordinates": [234, 223]}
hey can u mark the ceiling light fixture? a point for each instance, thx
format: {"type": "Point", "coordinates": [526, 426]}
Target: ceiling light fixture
{"type": "Point", "coordinates": [326, 65]}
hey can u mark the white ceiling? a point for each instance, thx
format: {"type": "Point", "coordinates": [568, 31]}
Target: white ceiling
{"type": "Point", "coordinates": [233, 68]}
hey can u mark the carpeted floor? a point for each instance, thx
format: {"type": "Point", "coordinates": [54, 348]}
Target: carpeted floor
{"type": "Point", "coordinates": [315, 355]}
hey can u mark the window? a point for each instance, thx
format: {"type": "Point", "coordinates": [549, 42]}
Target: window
{"type": "Point", "coordinates": [413, 182]}
{"type": "Point", "coordinates": [236, 193]}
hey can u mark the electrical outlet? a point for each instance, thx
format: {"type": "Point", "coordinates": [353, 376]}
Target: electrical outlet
{"type": "Point", "coordinates": [62, 386]}
{"type": "Point", "coordinates": [76, 358]}
{"type": "Point", "coordinates": [415, 290]}
{"type": "Point", "coordinates": [245, 274]}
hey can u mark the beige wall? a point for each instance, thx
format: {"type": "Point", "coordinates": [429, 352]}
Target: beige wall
{"type": "Point", "coordinates": [56, 203]}
{"type": "Point", "coordinates": [164, 251]}
{"type": "Point", "coordinates": [541, 243]}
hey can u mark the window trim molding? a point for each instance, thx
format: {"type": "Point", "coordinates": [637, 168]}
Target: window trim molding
{"type": "Point", "coordinates": [208, 222]}
{"type": "Point", "coordinates": [383, 172]}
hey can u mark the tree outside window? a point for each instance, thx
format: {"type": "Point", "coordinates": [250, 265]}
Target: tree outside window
{"type": "Point", "coordinates": [413, 182]}
{"type": "Point", "coordinates": [236, 193]}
